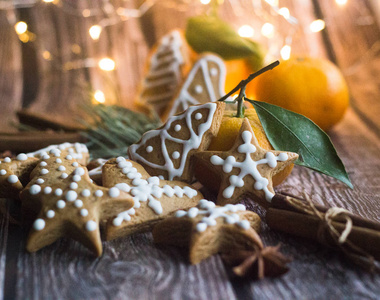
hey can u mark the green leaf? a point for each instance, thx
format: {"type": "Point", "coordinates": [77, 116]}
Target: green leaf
{"type": "Point", "coordinates": [289, 131]}
{"type": "Point", "coordinates": [211, 34]}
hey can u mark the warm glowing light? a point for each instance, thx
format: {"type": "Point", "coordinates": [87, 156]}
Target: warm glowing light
{"type": "Point", "coordinates": [284, 11]}
{"type": "Point", "coordinates": [272, 2]}
{"type": "Point", "coordinates": [48, 1]}
{"type": "Point", "coordinates": [75, 48]}
{"type": "Point", "coordinates": [21, 27]}
{"type": "Point", "coordinates": [246, 31]}
{"type": "Point", "coordinates": [107, 64]}
{"type": "Point", "coordinates": [285, 52]}
{"type": "Point", "coordinates": [267, 30]}
{"type": "Point", "coordinates": [95, 32]}
{"type": "Point", "coordinates": [86, 13]}
{"type": "Point", "coordinates": [341, 2]}
{"type": "Point", "coordinates": [46, 55]}
{"type": "Point", "coordinates": [317, 25]}
{"type": "Point", "coordinates": [205, 2]}
{"type": "Point", "coordinates": [99, 96]}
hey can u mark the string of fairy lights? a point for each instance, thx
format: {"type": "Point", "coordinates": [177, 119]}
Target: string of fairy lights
{"type": "Point", "coordinates": [111, 15]}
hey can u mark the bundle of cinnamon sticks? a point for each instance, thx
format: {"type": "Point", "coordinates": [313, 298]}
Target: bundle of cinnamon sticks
{"type": "Point", "coordinates": [302, 218]}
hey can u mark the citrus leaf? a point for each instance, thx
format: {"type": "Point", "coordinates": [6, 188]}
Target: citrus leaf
{"type": "Point", "coordinates": [289, 131]}
{"type": "Point", "coordinates": [210, 33]}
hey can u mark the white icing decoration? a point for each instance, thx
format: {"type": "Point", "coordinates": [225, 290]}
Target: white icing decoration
{"type": "Point", "coordinates": [12, 179]}
{"type": "Point", "coordinates": [83, 212]}
{"type": "Point", "coordinates": [34, 189]}
{"type": "Point", "coordinates": [79, 171]}
{"type": "Point", "coordinates": [50, 214]}
{"type": "Point", "coordinates": [149, 149]}
{"type": "Point", "coordinates": [45, 156]}
{"type": "Point", "coordinates": [44, 171]}
{"type": "Point", "coordinates": [71, 196]}
{"type": "Point", "coordinates": [91, 225]}
{"type": "Point", "coordinates": [177, 127]}
{"type": "Point", "coordinates": [212, 212]}
{"type": "Point", "coordinates": [58, 192]}
{"type": "Point", "coordinates": [73, 185]}
{"type": "Point", "coordinates": [39, 224]}
{"type": "Point", "coordinates": [69, 157]}
{"type": "Point", "coordinates": [247, 167]}
{"type": "Point", "coordinates": [214, 72]}
{"type": "Point", "coordinates": [43, 163]}
{"type": "Point", "coordinates": [184, 100]}
{"type": "Point", "coordinates": [3, 172]}
{"type": "Point", "coordinates": [114, 192]}
{"type": "Point", "coordinates": [61, 204]}
{"type": "Point", "coordinates": [77, 178]}
{"type": "Point", "coordinates": [198, 89]}
{"type": "Point", "coordinates": [78, 203]}
{"type": "Point", "coordinates": [176, 155]}
{"type": "Point", "coordinates": [61, 168]}
{"type": "Point", "coordinates": [75, 164]}
{"type": "Point", "coordinates": [22, 157]}
{"type": "Point", "coordinates": [98, 193]}
{"type": "Point", "coordinates": [47, 190]}
{"type": "Point", "coordinates": [58, 161]}
{"type": "Point", "coordinates": [147, 190]}
{"type": "Point", "coordinates": [86, 193]}
{"type": "Point", "coordinates": [192, 143]}
{"type": "Point", "coordinates": [64, 175]}
{"type": "Point", "coordinates": [40, 181]}
{"type": "Point", "coordinates": [77, 153]}
{"type": "Point", "coordinates": [7, 160]}
{"type": "Point", "coordinates": [98, 170]}
{"type": "Point", "coordinates": [198, 116]}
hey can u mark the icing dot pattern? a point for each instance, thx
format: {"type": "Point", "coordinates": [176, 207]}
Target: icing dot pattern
{"type": "Point", "coordinates": [211, 212]}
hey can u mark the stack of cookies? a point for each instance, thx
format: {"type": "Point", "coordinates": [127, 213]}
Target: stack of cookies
{"type": "Point", "coordinates": [150, 190]}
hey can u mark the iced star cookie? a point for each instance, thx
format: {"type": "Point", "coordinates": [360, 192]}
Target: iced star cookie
{"type": "Point", "coordinates": [64, 202]}
{"type": "Point", "coordinates": [167, 151]}
{"type": "Point", "coordinates": [204, 83]}
{"type": "Point", "coordinates": [14, 174]}
{"type": "Point", "coordinates": [246, 169]}
{"type": "Point", "coordinates": [77, 150]}
{"type": "Point", "coordinates": [155, 199]}
{"type": "Point", "coordinates": [168, 65]}
{"type": "Point", "coordinates": [209, 229]}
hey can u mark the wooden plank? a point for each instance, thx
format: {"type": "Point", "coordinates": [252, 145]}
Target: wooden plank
{"type": "Point", "coordinates": [11, 71]}
{"type": "Point", "coordinates": [130, 268]}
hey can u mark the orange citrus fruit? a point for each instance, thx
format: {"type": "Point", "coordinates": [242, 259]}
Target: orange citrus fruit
{"type": "Point", "coordinates": [225, 139]}
{"type": "Point", "coordinates": [313, 87]}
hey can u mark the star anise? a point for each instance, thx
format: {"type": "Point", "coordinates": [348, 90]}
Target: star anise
{"type": "Point", "coordinates": [259, 263]}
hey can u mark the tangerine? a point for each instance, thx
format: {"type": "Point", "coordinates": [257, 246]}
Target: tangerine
{"type": "Point", "coordinates": [313, 87]}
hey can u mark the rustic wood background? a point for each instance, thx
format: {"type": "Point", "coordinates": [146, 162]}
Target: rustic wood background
{"type": "Point", "coordinates": [133, 267]}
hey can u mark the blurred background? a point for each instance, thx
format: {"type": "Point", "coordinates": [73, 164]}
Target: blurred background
{"type": "Point", "coordinates": [55, 54]}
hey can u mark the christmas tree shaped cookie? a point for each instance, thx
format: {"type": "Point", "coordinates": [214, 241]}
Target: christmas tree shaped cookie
{"type": "Point", "coordinates": [166, 151]}
{"type": "Point", "coordinates": [65, 203]}
{"type": "Point", "coordinates": [168, 66]}
{"type": "Point", "coordinates": [14, 174]}
{"type": "Point", "coordinates": [246, 169]}
{"type": "Point", "coordinates": [155, 199]}
{"type": "Point", "coordinates": [204, 83]}
{"type": "Point", "coordinates": [208, 229]}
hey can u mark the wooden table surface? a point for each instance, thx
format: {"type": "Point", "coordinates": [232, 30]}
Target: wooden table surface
{"type": "Point", "coordinates": [134, 268]}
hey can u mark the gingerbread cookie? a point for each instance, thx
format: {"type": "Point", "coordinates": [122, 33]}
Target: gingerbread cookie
{"type": "Point", "coordinates": [65, 203]}
{"type": "Point", "coordinates": [14, 174]}
{"type": "Point", "coordinates": [167, 150]}
{"type": "Point", "coordinates": [77, 150]}
{"type": "Point", "coordinates": [204, 83]}
{"type": "Point", "coordinates": [95, 169]}
{"type": "Point", "coordinates": [167, 67]}
{"type": "Point", "coordinates": [208, 229]}
{"type": "Point", "coordinates": [155, 199]}
{"type": "Point", "coordinates": [246, 169]}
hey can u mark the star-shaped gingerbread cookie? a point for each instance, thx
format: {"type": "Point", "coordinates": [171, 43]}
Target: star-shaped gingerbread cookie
{"type": "Point", "coordinates": [209, 229]}
{"type": "Point", "coordinates": [65, 203]}
{"type": "Point", "coordinates": [14, 174]}
{"type": "Point", "coordinates": [246, 169]}
{"type": "Point", "coordinates": [155, 198]}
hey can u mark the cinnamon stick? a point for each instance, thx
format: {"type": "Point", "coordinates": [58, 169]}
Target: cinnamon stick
{"type": "Point", "coordinates": [308, 226]}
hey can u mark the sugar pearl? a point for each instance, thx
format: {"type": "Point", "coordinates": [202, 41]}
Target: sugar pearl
{"type": "Point", "coordinates": [43, 163]}
{"type": "Point", "coordinates": [61, 204]}
{"type": "Point", "coordinates": [44, 171]}
{"type": "Point", "coordinates": [47, 190]}
{"type": "Point", "coordinates": [22, 157]}
{"type": "Point", "coordinates": [86, 193]}
{"type": "Point", "coordinates": [84, 212]}
{"type": "Point", "coordinates": [91, 225]}
{"type": "Point", "coordinates": [73, 185]}
{"type": "Point", "coordinates": [3, 172]}
{"type": "Point", "coordinates": [34, 189]}
{"type": "Point", "coordinates": [98, 193]}
{"type": "Point", "coordinates": [12, 179]}
{"type": "Point", "coordinates": [71, 196]}
{"type": "Point", "coordinates": [39, 224]}
{"type": "Point", "coordinates": [40, 181]}
{"type": "Point", "coordinates": [78, 203]}
{"type": "Point", "coordinates": [50, 214]}
{"type": "Point", "coordinates": [58, 192]}
{"type": "Point", "coordinates": [114, 192]}
{"type": "Point", "coordinates": [7, 160]}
